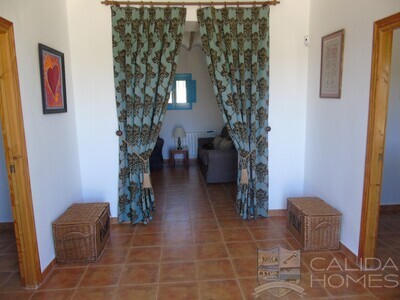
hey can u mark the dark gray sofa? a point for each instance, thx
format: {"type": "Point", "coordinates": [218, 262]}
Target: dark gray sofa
{"type": "Point", "coordinates": [156, 157]}
{"type": "Point", "coordinates": [217, 165]}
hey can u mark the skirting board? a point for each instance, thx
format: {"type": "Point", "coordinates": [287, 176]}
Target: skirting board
{"type": "Point", "coordinates": [48, 270]}
{"type": "Point", "coordinates": [389, 208]}
{"type": "Point", "coordinates": [272, 213]}
{"type": "Point", "coordinates": [277, 212]}
{"type": "Point", "coordinates": [114, 220]}
{"type": "Point", "coordinates": [353, 258]}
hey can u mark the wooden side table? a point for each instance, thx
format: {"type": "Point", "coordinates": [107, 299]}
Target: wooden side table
{"type": "Point", "coordinates": [183, 151]}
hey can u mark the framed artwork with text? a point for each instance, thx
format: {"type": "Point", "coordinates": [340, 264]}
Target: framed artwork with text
{"type": "Point", "coordinates": [331, 65]}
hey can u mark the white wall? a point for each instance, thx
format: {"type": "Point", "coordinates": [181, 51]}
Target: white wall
{"type": "Point", "coordinates": [5, 202]}
{"type": "Point", "coordinates": [205, 114]}
{"type": "Point", "coordinates": [336, 129]}
{"type": "Point", "coordinates": [96, 116]}
{"type": "Point", "coordinates": [51, 139]}
{"type": "Point", "coordinates": [288, 91]}
{"type": "Point", "coordinates": [391, 164]}
{"type": "Point", "coordinates": [91, 54]}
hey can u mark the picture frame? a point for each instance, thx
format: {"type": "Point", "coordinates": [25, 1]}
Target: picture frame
{"type": "Point", "coordinates": [331, 65]}
{"type": "Point", "coordinates": [52, 77]}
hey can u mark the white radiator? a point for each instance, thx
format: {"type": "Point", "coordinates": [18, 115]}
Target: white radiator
{"type": "Point", "coordinates": [190, 141]}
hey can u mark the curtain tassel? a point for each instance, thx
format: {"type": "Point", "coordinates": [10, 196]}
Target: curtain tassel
{"type": "Point", "coordinates": [146, 181]}
{"type": "Point", "coordinates": [146, 175]}
{"type": "Point", "coordinates": [244, 177]}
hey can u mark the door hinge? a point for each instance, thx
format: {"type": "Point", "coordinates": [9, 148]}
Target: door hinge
{"type": "Point", "coordinates": [380, 156]}
{"type": "Point", "coordinates": [12, 168]}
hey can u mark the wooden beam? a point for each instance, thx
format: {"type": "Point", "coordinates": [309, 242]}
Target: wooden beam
{"type": "Point", "coordinates": [191, 3]}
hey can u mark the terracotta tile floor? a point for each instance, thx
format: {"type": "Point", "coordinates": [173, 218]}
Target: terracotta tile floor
{"type": "Point", "coordinates": [195, 248]}
{"type": "Point", "coordinates": [388, 236]}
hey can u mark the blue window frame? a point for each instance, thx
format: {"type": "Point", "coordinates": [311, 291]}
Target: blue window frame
{"type": "Point", "coordinates": [183, 93]}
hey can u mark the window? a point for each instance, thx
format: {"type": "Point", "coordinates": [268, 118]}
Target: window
{"type": "Point", "coordinates": [183, 92]}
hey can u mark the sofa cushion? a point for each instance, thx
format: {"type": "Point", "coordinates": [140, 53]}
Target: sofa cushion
{"type": "Point", "coordinates": [208, 146]}
{"type": "Point", "coordinates": [224, 132]}
{"type": "Point", "coordinates": [156, 158]}
{"type": "Point", "coordinates": [217, 140]}
{"type": "Point", "coordinates": [225, 144]}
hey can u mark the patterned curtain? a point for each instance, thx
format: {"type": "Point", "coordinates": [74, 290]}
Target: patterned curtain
{"type": "Point", "coordinates": [146, 43]}
{"type": "Point", "coordinates": [236, 44]}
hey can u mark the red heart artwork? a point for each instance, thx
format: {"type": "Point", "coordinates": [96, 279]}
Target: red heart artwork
{"type": "Point", "coordinates": [53, 77]}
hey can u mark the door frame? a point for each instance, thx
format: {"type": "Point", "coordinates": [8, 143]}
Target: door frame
{"type": "Point", "coordinates": [17, 160]}
{"type": "Point", "coordinates": [378, 108]}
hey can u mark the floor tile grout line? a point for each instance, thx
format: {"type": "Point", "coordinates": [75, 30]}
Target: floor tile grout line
{"type": "Point", "coordinates": [226, 248]}
{"type": "Point", "coordinates": [177, 261]}
{"type": "Point", "coordinates": [126, 258]}
{"type": "Point", "coordinates": [191, 224]}
{"type": "Point", "coordinates": [37, 291]}
{"type": "Point", "coordinates": [161, 252]}
{"type": "Point", "coordinates": [80, 281]}
{"type": "Point", "coordinates": [8, 278]}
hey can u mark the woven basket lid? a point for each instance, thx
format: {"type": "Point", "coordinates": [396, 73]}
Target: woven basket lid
{"type": "Point", "coordinates": [82, 213]}
{"type": "Point", "coordinates": [314, 206]}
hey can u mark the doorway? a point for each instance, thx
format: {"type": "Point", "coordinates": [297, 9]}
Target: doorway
{"type": "Point", "coordinates": [378, 111]}
{"type": "Point", "coordinates": [8, 248]}
{"type": "Point", "coordinates": [17, 160]}
{"type": "Point", "coordinates": [388, 244]}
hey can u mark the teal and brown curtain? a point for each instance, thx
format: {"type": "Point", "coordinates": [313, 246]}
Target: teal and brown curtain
{"type": "Point", "coordinates": [146, 43]}
{"type": "Point", "coordinates": [236, 44]}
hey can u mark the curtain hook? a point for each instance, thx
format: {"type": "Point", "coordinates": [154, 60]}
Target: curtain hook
{"type": "Point", "coordinates": [237, 3]}
{"type": "Point", "coordinates": [169, 3]}
{"type": "Point", "coordinates": [142, 4]}
{"type": "Point", "coordinates": [254, 4]}
{"type": "Point", "coordinates": [151, 4]}
{"type": "Point", "coordinates": [199, 4]}
{"type": "Point", "coordinates": [225, 4]}
{"type": "Point", "coordinates": [183, 3]}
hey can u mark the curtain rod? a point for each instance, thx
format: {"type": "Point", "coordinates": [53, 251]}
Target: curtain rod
{"type": "Point", "coordinates": [191, 3]}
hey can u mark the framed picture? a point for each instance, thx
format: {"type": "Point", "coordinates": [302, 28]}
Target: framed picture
{"type": "Point", "coordinates": [52, 77]}
{"type": "Point", "coordinates": [331, 65]}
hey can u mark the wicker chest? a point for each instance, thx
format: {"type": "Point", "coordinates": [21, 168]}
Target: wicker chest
{"type": "Point", "coordinates": [313, 223]}
{"type": "Point", "coordinates": [81, 232]}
